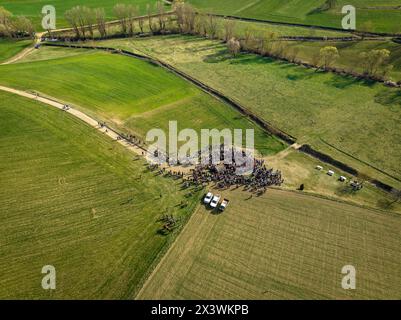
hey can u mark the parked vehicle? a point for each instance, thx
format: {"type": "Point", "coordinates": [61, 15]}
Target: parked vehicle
{"type": "Point", "coordinates": [224, 205]}
{"type": "Point", "coordinates": [208, 198]}
{"type": "Point", "coordinates": [215, 201]}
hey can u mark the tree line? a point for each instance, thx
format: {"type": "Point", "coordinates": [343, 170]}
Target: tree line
{"type": "Point", "coordinates": [186, 20]}
{"type": "Point", "coordinates": [85, 21]}
{"type": "Point", "coordinates": [14, 26]}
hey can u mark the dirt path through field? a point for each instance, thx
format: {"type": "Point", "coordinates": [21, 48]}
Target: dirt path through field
{"type": "Point", "coordinates": [26, 51]}
{"type": "Point", "coordinates": [80, 115]}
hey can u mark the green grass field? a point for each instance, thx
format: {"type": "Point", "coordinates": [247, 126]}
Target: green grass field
{"type": "Point", "coordinates": [133, 95]}
{"type": "Point", "coordinates": [350, 53]}
{"type": "Point", "coordinates": [372, 15]}
{"type": "Point", "coordinates": [71, 198]}
{"type": "Point", "coordinates": [279, 30]}
{"type": "Point", "coordinates": [9, 48]}
{"type": "Point", "coordinates": [299, 168]}
{"type": "Point", "coordinates": [317, 108]}
{"type": "Point", "coordinates": [33, 8]}
{"type": "Point", "coordinates": [282, 245]}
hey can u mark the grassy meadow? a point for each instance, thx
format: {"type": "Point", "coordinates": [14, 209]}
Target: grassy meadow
{"type": "Point", "coordinates": [372, 15]}
{"type": "Point", "coordinates": [282, 245]}
{"type": "Point", "coordinates": [72, 198]}
{"type": "Point", "coordinates": [350, 53]}
{"type": "Point", "coordinates": [358, 118]}
{"type": "Point", "coordinates": [299, 168]}
{"type": "Point", "coordinates": [9, 48]}
{"type": "Point", "coordinates": [130, 94]}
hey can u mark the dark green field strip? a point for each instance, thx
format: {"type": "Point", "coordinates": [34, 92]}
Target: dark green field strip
{"type": "Point", "coordinates": [74, 199]}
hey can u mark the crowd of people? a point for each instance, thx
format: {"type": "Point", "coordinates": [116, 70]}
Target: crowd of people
{"type": "Point", "coordinates": [226, 176]}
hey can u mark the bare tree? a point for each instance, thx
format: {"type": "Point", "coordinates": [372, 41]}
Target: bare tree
{"type": "Point", "coordinates": [179, 11]}
{"type": "Point", "coordinates": [280, 48]}
{"type": "Point", "coordinates": [229, 29]}
{"type": "Point", "coordinates": [23, 26]}
{"type": "Point", "coordinates": [141, 22]}
{"type": "Point", "coordinates": [161, 15]}
{"type": "Point", "coordinates": [201, 24]}
{"type": "Point", "coordinates": [328, 55]}
{"type": "Point", "coordinates": [90, 19]}
{"type": "Point", "coordinates": [5, 22]}
{"type": "Point", "coordinates": [212, 26]}
{"type": "Point", "coordinates": [72, 17]}
{"type": "Point", "coordinates": [131, 15]}
{"type": "Point", "coordinates": [293, 54]}
{"type": "Point", "coordinates": [375, 60]}
{"type": "Point", "coordinates": [249, 41]}
{"type": "Point", "coordinates": [233, 46]}
{"type": "Point", "coordinates": [189, 18]}
{"type": "Point", "coordinates": [101, 21]}
{"type": "Point", "coordinates": [81, 18]}
{"type": "Point", "coordinates": [120, 11]}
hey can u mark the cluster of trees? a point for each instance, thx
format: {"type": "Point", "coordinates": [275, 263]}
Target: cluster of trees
{"type": "Point", "coordinates": [14, 26]}
{"type": "Point", "coordinates": [375, 63]}
{"type": "Point", "coordinates": [186, 20]}
{"type": "Point", "coordinates": [328, 56]}
{"type": "Point", "coordinates": [85, 21]}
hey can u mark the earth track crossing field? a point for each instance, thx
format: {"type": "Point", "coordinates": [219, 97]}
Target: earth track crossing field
{"type": "Point", "coordinates": [9, 48]}
{"type": "Point", "coordinates": [282, 245]}
{"type": "Point", "coordinates": [76, 200]}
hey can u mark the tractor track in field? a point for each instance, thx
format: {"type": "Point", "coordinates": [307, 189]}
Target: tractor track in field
{"type": "Point", "coordinates": [307, 149]}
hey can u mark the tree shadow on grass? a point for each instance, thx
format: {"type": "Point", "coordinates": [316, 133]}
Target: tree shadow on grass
{"type": "Point", "coordinates": [385, 204]}
{"type": "Point", "coordinates": [297, 73]}
{"type": "Point", "coordinates": [223, 55]}
{"type": "Point", "coordinates": [220, 56]}
{"type": "Point", "coordinates": [345, 190]}
{"type": "Point", "coordinates": [343, 82]}
{"type": "Point", "coordinates": [388, 97]}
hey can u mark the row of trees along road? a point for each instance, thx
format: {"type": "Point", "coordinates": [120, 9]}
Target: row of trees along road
{"type": "Point", "coordinates": [14, 26]}
{"type": "Point", "coordinates": [85, 21]}
{"type": "Point", "coordinates": [186, 20]}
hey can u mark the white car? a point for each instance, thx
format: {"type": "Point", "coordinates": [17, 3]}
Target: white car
{"type": "Point", "coordinates": [215, 201]}
{"type": "Point", "coordinates": [208, 198]}
{"type": "Point", "coordinates": [224, 205]}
